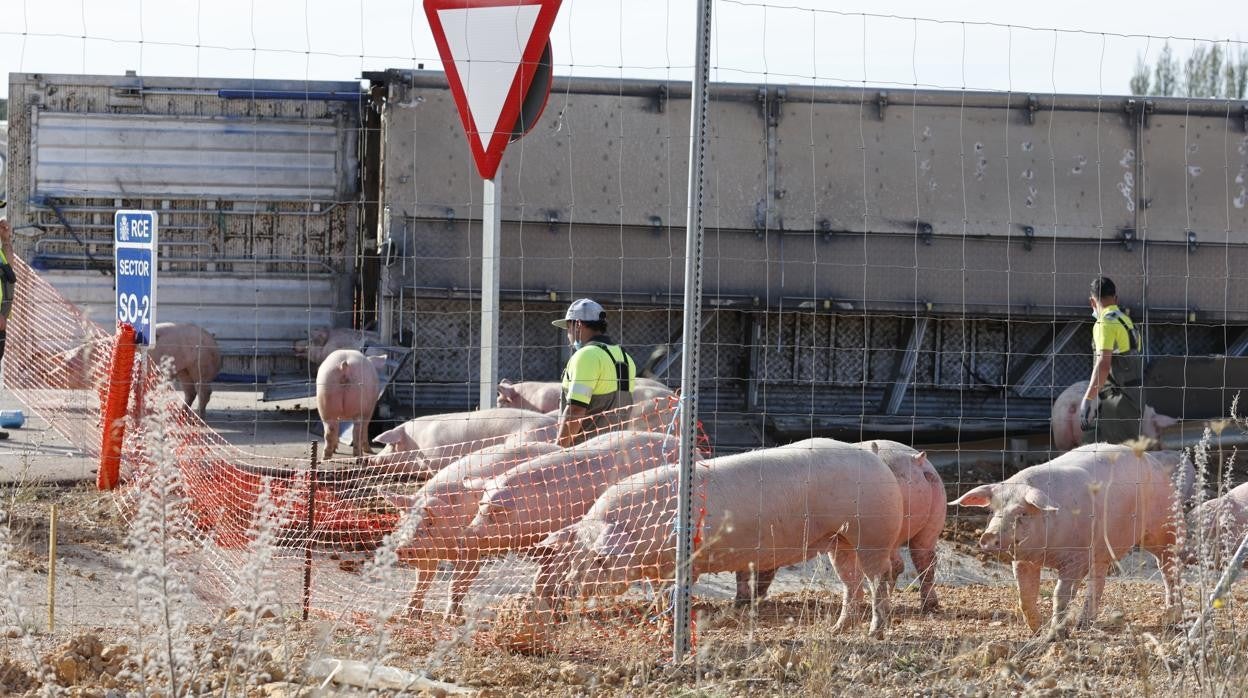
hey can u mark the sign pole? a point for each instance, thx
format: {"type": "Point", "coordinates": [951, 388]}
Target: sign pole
{"type": "Point", "coordinates": [690, 339]}
{"type": "Point", "coordinates": [491, 236]}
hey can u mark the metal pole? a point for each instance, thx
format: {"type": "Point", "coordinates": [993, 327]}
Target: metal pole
{"type": "Point", "coordinates": [307, 551]}
{"type": "Point", "coordinates": [690, 339]}
{"type": "Point", "coordinates": [491, 225]}
{"type": "Point", "coordinates": [52, 571]}
{"type": "Point", "coordinates": [1229, 575]}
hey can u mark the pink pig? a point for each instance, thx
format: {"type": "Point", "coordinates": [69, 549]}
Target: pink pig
{"type": "Point", "coordinates": [323, 341]}
{"type": "Point", "coordinates": [1218, 525]}
{"type": "Point", "coordinates": [445, 505]}
{"type": "Point", "coordinates": [923, 507]}
{"type": "Point", "coordinates": [543, 396]}
{"type": "Point", "coordinates": [347, 389]}
{"type": "Point", "coordinates": [538, 396]}
{"type": "Point", "coordinates": [1064, 421]}
{"type": "Point", "coordinates": [1078, 514]}
{"type": "Point", "coordinates": [438, 439]}
{"type": "Point", "coordinates": [764, 509]}
{"type": "Point", "coordinates": [193, 351]}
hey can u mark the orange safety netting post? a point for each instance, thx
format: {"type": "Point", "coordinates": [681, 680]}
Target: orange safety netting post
{"type": "Point", "coordinates": [120, 374]}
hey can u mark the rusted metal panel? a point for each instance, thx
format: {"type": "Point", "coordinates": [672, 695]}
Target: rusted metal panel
{"type": "Point", "coordinates": [108, 155]}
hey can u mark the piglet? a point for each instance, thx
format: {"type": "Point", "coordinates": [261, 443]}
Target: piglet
{"type": "Point", "coordinates": [347, 388]}
{"type": "Point", "coordinates": [1081, 512]}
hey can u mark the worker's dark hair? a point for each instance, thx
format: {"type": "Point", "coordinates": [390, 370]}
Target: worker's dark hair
{"type": "Point", "coordinates": [599, 326]}
{"type": "Point", "coordinates": [1103, 287]}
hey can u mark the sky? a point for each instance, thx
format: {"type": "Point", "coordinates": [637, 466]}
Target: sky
{"type": "Point", "coordinates": [1054, 46]}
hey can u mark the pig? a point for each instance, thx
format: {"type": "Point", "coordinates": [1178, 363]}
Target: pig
{"type": "Point", "coordinates": [445, 505]}
{"type": "Point", "coordinates": [195, 355]}
{"type": "Point", "coordinates": [323, 341]}
{"type": "Point", "coordinates": [541, 396]}
{"type": "Point", "coordinates": [442, 438]}
{"type": "Point", "coordinates": [347, 388]}
{"type": "Point", "coordinates": [1218, 525]}
{"type": "Point", "coordinates": [1079, 513]}
{"type": "Point", "coordinates": [538, 396]}
{"type": "Point", "coordinates": [1067, 433]}
{"type": "Point", "coordinates": [923, 510]}
{"type": "Point", "coordinates": [764, 509]}
{"type": "Point", "coordinates": [192, 349]}
{"type": "Point", "coordinates": [529, 502]}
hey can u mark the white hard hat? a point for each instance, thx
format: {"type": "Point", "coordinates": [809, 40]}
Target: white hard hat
{"type": "Point", "coordinates": [584, 310]}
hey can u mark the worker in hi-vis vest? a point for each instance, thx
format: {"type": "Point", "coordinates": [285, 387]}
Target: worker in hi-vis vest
{"type": "Point", "coordinates": [598, 379]}
{"type": "Point", "coordinates": [1113, 404]}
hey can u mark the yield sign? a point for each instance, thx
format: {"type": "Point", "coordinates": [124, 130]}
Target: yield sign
{"type": "Point", "coordinates": [490, 50]}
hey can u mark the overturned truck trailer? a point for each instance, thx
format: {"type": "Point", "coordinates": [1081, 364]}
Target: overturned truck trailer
{"type": "Point", "coordinates": [908, 262]}
{"type": "Point", "coordinates": [256, 184]}
{"type": "Point", "coordinates": [912, 262]}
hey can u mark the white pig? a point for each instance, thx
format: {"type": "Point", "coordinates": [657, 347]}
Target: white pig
{"type": "Point", "coordinates": [1078, 514]}
{"type": "Point", "coordinates": [347, 389]}
{"type": "Point", "coordinates": [441, 438]}
{"type": "Point", "coordinates": [1067, 433]}
{"type": "Point", "coordinates": [445, 505]}
{"type": "Point", "coordinates": [323, 341]}
{"type": "Point", "coordinates": [527, 503]}
{"type": "Point", "coordinates": [764, 509]}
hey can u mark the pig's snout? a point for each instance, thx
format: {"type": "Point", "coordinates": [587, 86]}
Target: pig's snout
{"type": "Point", "coordinates": [990, 541]}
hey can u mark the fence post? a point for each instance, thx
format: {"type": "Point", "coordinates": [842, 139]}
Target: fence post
{"type": "Point", "coordinates": [690, 339]}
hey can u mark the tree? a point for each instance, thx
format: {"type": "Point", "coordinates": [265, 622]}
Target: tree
{"type": "Point", "coordinates": [1209, 72]}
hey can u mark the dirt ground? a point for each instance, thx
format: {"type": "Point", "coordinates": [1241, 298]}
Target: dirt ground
{"type": "Point", "coordinates": [975, 645]}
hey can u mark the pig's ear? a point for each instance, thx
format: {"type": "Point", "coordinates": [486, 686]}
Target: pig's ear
{"type": "Point", "coordinates": [392, 436]}
{"type": "Point", "coordinates": [506, 391]}
{"type": "Point", "coordinates": [1161, 421]}
{"type": "Point", "coordinates": [1039, 499]}
{"type": "Point", "coordinates": [979, 497]}
{"type": "Point", "coordinates": [875, 447]}
{"type": "Point", "coordinates": [918, 457]}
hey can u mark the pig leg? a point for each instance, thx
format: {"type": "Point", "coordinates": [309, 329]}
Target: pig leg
{"type": "Point", "coordinates": [425, 570]}
{"type": "Point", "coordinates": [1171, 569]}
{"type": "Point", "coordinates": [1067, 585]}
{"type": "Point", "coordinates": [924, 557]}
{"type": "Point", "coordinates": [205, 392]}
{"type": "Point", "coordinates": [1096, 584]}
{"type": "Point", "coordinates": [762, 581]}
{"type": "Point", "coordinates": [465, 574]}
{"type": "Point", "coordinates": [878, 587]}
{"type": "Point", "coordinates": [845, 562]}
{"type": "Point", "coordinates": [359, 438]}
{"type": "Point", "coordinates": [331, 437]}
{"type": "Point", "coordinates": [1027, 578]}
{"type": "Point", "coordinates": [875, 565]}
{"type": "Point", "coordinates": [188, 392]}
{"type": "Point", "coordinates": [897, 566]}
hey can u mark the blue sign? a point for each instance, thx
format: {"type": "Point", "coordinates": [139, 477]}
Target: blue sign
{"type": "Point", "coordinates": [134, 263]}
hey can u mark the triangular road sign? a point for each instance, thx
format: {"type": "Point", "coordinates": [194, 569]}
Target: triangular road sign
{"type": "Point", "coordinates": [490, 50]}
